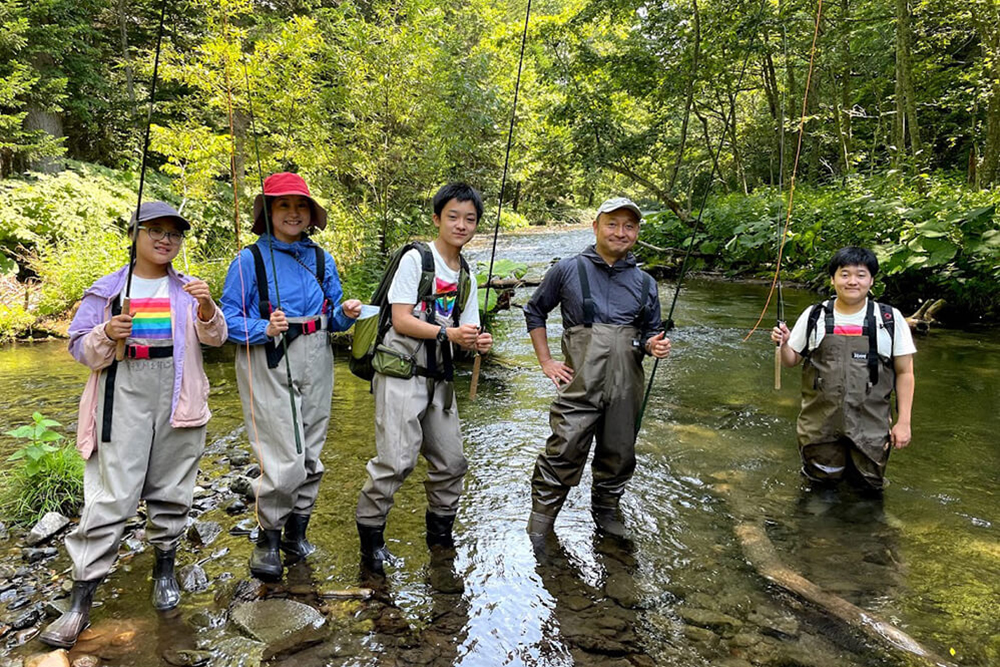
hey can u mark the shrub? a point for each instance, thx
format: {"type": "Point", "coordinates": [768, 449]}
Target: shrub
{"type": "Point", "coordinates": [50, 478]}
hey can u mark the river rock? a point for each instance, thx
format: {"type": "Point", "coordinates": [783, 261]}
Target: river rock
{"type": "Point", "coordinates": [58, 658]}
{"type": "Point", "coordinates": [699, 635]}
{"type": "Point", "coordinates": [244, 527]}
{"type": "Point", "coordinates": [187, 657]}
{"type": "Point", "coordinates": [4, 533]}
{"type": "Point", "coordinates": [86, 661]}
{"type": "Point", "coordinates": [242, 486]}
{"type": "Point", "coordinates": [708, 619]}
{"type": "Point", "coordinates": [33, 555]}
{"type": "Point", "coordinates": [281, 625]}
{"type": "Point", "coordinates": [47, 526]}
{"type": "Point", "coordinates": [235, 506]}
{"type": "Point", "coordinates": [22, 636]}
{"type": "Point", "coordinates": [773, 622]}
{"type": "Point", "coordinates": [238, 457]}
{"type": "Point", "coordinates": [252, 471]}
{"type": "Point", "coordinates": [620, 587]}
{"type": "Point", "coordinates": [193, 579]}
{"type": "Point", "coordinates": [238, 652]}
{"type": "Point", "coordinates": [26, 619]}
{"type": "Point", "coordinates": [204, 532]}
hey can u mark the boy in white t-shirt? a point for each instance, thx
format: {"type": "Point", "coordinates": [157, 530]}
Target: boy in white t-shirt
{"type": "Point", "coordinates": [415, 410]}
{"type": "Point", "coordinates": [856, 353]}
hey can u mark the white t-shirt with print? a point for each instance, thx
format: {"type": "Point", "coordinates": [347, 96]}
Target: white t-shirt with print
{"type": "Point", "coordinates": [852, 325]}
{"type": "Point", "coordinates": [406, 283]}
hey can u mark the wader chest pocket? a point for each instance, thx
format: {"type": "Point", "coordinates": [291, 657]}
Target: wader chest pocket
{"type": "Point", "coordinates": [388, 361]}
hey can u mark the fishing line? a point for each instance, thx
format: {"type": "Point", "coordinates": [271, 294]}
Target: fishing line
{"type": "Point", "coordinates": [503, 186]}
{"type": "Point", "coordinates": [795, 168]}
{"type": "Point", "coordinates": [697, 223]}
{"type": "Point", "coordinates": [126, 298]}
{"type": "Point", "coordinates": [274, 269]}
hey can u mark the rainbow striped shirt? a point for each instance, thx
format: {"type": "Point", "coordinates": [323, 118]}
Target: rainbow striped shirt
{"type": "Point", "coordinates": [150, 306]}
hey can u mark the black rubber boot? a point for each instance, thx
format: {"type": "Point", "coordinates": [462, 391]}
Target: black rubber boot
{"type": "Point", "coordinates": [374, 553]}
{"type": "Point", "coordinates": [166, 592]}
{"type": "Point", "coordinates": [63, 631]}
{"type": "Point", "coordinates": [439, 531]}
{"type": "Point", "coordinates": [608, 520]}
{"type": "Point", "coordinates": [294, 542]}
{"type": "Point", "coordinates": [265, 561]}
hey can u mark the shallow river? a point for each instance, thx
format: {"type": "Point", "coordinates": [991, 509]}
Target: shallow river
{"type": "Point", "coordinates": [717, 448]}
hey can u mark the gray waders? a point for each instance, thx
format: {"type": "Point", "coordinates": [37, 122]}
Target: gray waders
{"type": "Point", "coordinates": [602, 401]}
{"type": "Point", "coordinates": [413, 416]}
{"type": "Point", "coordinates": [846, 413]}
{"type": "Point", "coordinates": [289, 480]}
{"type": "Point", "coordinates": [140, 457]}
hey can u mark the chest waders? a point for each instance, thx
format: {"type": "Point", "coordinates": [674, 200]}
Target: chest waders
{"type": "Point", "coordinates": [843, 428]}
{"type": "Point", "coordinates": [601, 403]}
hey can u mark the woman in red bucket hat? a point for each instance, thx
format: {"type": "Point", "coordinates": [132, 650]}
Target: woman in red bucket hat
{"type": "Point", "coordinates": [305, 276]}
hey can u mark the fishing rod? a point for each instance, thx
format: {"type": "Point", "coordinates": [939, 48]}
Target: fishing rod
{"type": "Point", "coordinates": [780, 316]}
{"type": "Point", "coordinates": [776, 282]}
{"type": "Point", "coordinates": [274, 269]}
{"type": "Point", "coordinates": [126, 297]}
{"type": "Point", "coordinates": [474, 385]}
{"type": "Point", "coordinates": [669, 325]}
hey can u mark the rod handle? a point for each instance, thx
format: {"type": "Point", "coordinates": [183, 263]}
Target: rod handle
{"type": "Point", "coordinates": [474, 386]}
{"type": "Point", "coordinates": [120, 345]}
{"type": "Point", "coordinates": [777, 366]}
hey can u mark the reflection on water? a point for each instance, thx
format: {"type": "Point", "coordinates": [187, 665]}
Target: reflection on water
{"type": "Point", "coordinates": [717, 446]}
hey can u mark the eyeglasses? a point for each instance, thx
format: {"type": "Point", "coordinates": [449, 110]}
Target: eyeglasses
{"type": "Point", "coordinates": [158, 234]}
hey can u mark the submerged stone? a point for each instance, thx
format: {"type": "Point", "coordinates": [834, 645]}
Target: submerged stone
{"type": "Point", "coordinates": [47, 526]}
{"type": "Point", "coordinates": [187, 657]}
{"type": "Point", "coordinates": [204, 532]}
{"type": "Point", "coordinates": [708, 619]}
{"type": "Point", "coordinates": [238, 652]}
{"type": "Point", "coordinates": [281, 625]}
{"type": "Point", "coordinates": [59, 658]}
{"type": "Point", "coordinates": [193, 578]}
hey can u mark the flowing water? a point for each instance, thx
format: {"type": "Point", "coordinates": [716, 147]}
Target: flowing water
{"type": "Point", "coordinates": [717, 449]}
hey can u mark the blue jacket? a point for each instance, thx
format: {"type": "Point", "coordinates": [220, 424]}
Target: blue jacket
{"type": "Point", "coordinates": [300, 291]}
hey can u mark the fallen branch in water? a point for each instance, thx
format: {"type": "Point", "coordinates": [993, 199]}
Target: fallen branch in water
{"type": "Point", "coordinates": [674, 251]}
{"type": "Point", "coordinates": [762, 556]}
{"type": "Point", "coordinates": [922, 320]}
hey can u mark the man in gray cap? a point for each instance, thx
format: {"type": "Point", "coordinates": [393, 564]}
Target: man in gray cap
{"type": "Point", "coordinates": [611, 319]}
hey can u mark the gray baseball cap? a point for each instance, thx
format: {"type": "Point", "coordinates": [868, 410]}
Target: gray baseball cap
{"type": "Point", "coordinates": [152, 210]}
{"type": "Point", "coordinates": [616, 203]}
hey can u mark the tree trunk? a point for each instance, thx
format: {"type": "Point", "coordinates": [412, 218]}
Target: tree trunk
{"type": "Point", "coordinates": [39, 118]}
{"type": "Point", "coordinates": [843, 114]}
{"type": "Point", "coordinates": [126, 58]}
{"type": "Point", "coordinates": [690, 96]}
{"type": "Point", "coordinates": [987, 20]}
{"type": "Point", "coordinates": [906, 101]}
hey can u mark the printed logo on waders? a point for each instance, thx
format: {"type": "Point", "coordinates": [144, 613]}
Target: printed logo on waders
{"type": "Point", "coordinates": [863, 356]}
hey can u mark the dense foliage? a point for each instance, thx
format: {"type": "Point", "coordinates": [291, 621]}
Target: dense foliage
{"type": "Point", "coordinates": [376, 103]}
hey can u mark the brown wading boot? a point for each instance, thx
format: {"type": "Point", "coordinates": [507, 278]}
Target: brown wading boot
{"type": "Point", "coordinates": [265, 561]}
{"type": "Point", "coordinates": [441, 543]}
{"type": "Point", "coordinates": [294, 542]}
{"type": "Point", "coordinates": [166, 592]}
{"type": "Point", "coordinates": [63, 631]}
{"type": "Point", "coordinates": [374, 553]}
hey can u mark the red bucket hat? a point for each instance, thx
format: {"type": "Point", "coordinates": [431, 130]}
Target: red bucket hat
{"type": "Point", "coordinates": [282, 185]}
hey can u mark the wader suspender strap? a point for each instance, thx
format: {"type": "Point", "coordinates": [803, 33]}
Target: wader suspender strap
{"type": "Point", "coordinates": [871, 330]}
{"type": "Point", "coordinates": [889, 321]}
{"type": "Point", "coordinates": [825, 308]}
{"type": "Point", "coordinates": [274, 352]}
{"type": "Point", "coordinates": [589, 309]}
{"type": "Point", "coordinates": [109, 385]}
{"type": "Point", "coordinates": [640, 319]}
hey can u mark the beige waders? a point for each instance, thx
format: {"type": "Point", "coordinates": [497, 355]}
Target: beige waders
{"type": "Point", "coordinates": [413, 416]}
{"type": "Point", "coordinates": [289, 480]}
{"type": "Point", "coordinates": [602, 401]}
{"type": "Point", "coordinates": [846, 412]}
{"type": "Point", "coordinates": [140, 457]}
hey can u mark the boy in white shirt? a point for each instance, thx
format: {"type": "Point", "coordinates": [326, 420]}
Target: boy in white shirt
{"type": "Point", "coordinates": [415, 410]}
{"type": "Point", "coordinates": [856, 353]}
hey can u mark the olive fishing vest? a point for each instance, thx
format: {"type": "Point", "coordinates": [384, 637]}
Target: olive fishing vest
{"type": "Point", "coordinates": [846, 384]}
